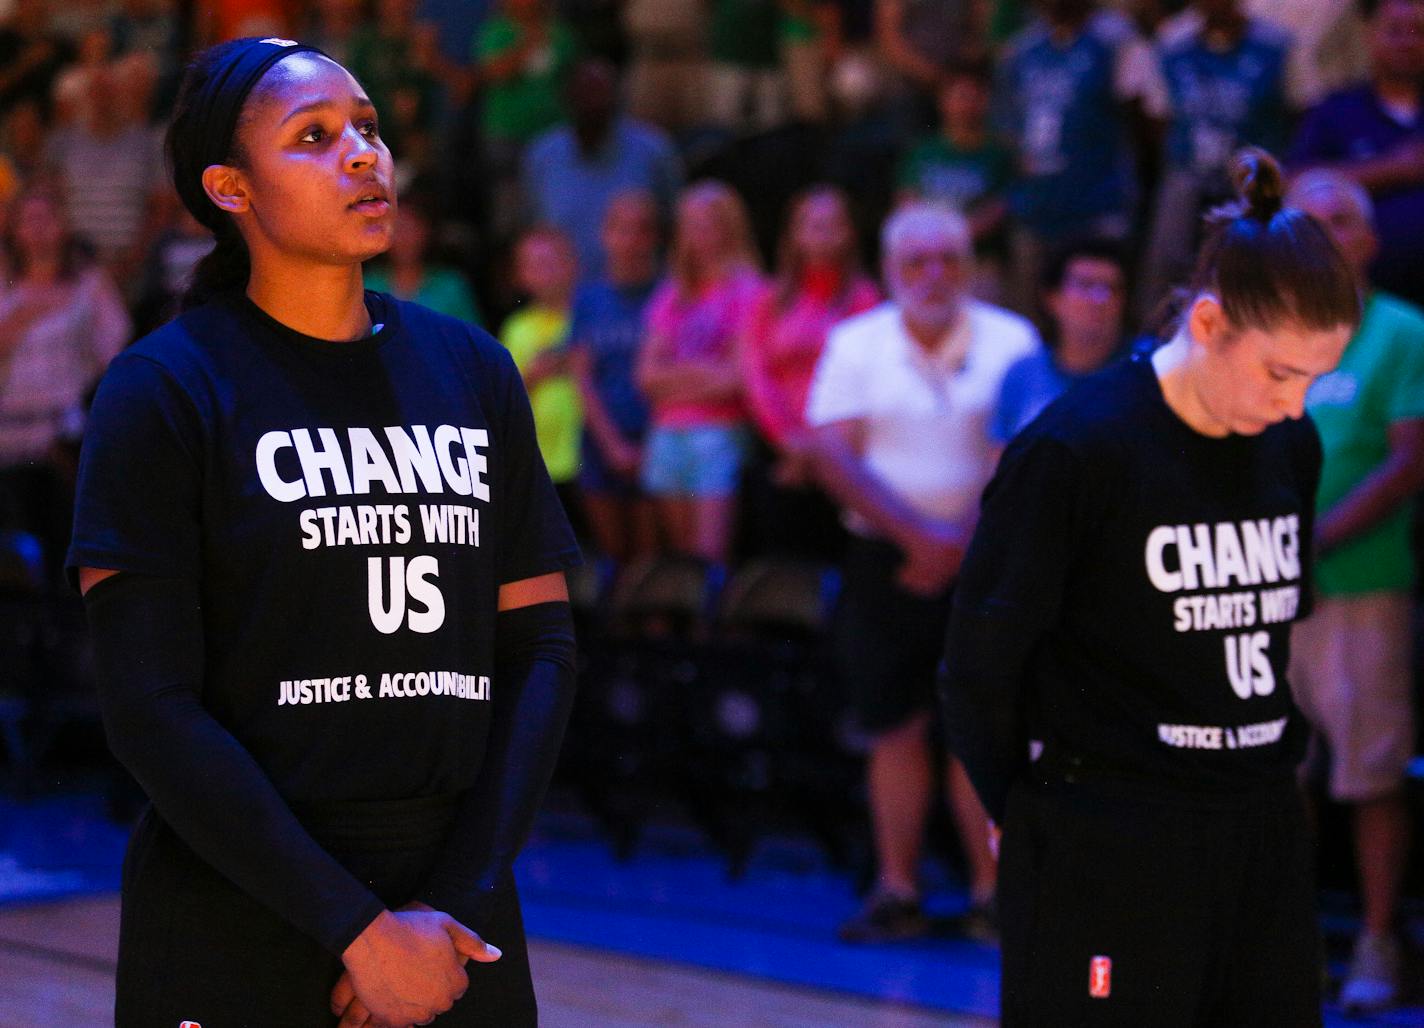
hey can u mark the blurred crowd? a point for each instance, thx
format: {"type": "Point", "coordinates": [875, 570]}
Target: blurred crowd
{"type": "Point", "coordinates": [666, 208]}
{"type": "Point", "coordinates": [544, 149]}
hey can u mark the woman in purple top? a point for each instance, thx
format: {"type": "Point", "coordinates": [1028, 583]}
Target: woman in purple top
{"type": "Point", "coordinates": [688, 370]}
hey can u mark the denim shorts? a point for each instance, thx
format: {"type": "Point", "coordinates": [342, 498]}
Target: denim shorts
{"type": "Point", "coordinates": [701, 460]}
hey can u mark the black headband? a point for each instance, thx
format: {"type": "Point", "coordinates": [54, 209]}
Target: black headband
{"type": "Point", "coordinates": [213, 111]}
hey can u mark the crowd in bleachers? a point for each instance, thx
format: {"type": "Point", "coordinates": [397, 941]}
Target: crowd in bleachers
{"type": "Point", "coordinates": [664, 207]}
{"type": "Point", "coordinates": [517, 123]}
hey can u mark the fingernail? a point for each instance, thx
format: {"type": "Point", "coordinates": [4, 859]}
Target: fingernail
{"type": "Point", "coordinates": [494, 949]}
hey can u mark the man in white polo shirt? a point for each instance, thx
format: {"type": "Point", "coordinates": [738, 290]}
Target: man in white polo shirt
{"type": "Point", "coordinates": [899, 408]}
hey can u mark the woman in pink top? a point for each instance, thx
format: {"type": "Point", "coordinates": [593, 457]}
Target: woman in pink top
{"type": "Point", "coordinates": [819, 282]}
{"type": "Point", "coordinates": [688, 370]}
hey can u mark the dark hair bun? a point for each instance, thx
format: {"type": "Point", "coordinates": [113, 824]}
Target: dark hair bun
{"type": "Point", "coordinates": [1259, 183]}
{"type": "Point", "coordinates": [1269, 264]}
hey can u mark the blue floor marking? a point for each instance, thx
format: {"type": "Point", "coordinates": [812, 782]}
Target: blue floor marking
{"type": "Point", "coordinates": [57, 847]}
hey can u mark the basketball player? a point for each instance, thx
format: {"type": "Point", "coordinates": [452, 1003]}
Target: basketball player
{"type": "Point", "coordinates": [1115, 672]}
{"type": "Point", "coordinates": [323, 566]}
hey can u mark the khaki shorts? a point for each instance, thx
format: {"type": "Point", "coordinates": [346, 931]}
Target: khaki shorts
{"type": "Point", "coordinates": [1351, 676]}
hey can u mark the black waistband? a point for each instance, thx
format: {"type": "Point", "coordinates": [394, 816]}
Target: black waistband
{"type": "Point", "coordinates": [380, 826]}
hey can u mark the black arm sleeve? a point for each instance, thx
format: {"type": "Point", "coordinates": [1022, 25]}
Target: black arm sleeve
{"type": "Point", "coordinates": [1008, 596]}
{"type": "Point", "coordinates": [534, 692]}
{"type": "Point", "coordinates": [147, 635]}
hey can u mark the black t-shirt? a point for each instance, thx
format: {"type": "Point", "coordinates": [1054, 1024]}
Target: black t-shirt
{"type": "Point", "coordinates": [1128, 595]}
{"type": "Point", "coordinates": [349, 511]}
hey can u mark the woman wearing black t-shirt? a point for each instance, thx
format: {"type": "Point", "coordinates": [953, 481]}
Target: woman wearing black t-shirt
{"type": "Point", "coordinates": [324, 570]}
{"type": "Point", "coordinates": [1115, 669]}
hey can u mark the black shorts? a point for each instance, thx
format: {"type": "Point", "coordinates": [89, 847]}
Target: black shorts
{"type": "Point", "coordinates": [888, 642]}
{"type": "Point", "coordinates": [194, 947]}
{"type": "Point", "coordinates": [1124, 904]}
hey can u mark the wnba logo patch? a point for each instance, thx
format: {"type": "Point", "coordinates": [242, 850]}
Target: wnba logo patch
{"type": "Point", "coordinates": [1100, 977]}
{"type": "Point", "coordinates": [189, 1024]}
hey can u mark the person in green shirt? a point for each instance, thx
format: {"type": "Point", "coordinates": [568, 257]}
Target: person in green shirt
{"type": "Point", "coordinates": [408, 272]}
{"type": "Point", "coordinates": [545, 271]}
{"type": "Point", "coordinates": [1350, 666]}
{"type": "Point", "coordinates": [522, 54]}
{"type": "Point", "coordinates": [963, 166]}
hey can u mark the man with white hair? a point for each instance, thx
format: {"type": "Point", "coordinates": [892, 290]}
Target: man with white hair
{"type": "Point", "coordinates": [899, 408]}
{"type": "Point", "coordinates": [1350, 662]}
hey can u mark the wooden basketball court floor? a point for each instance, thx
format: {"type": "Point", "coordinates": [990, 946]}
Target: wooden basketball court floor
{"type": "Point", "coordinates": [57, 968]}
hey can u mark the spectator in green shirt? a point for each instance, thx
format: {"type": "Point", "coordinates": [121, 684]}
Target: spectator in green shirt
{"type": "Point", "coordinates": [523, 53]}
{"type": "Point", "coordinates": [1351, 661]}
{"type": "Point", "coordinates": [963, 166]}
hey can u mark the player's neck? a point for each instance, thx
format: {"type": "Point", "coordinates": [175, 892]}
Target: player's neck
{"type": "Point", "coordinates": [326, 302]}
{"type": "Point", "coordinates": [1176, 374]}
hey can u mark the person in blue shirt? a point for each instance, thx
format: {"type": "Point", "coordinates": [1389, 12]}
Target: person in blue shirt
{"type": "Point", "coordinates": [605, 330]}
{"type": "Point", "coordinates": [1084, 293]}
{"type": "Point", "coordinates": [1374, 133]}
{"type": "Point", "coordinates": [573, 171]}
{"type": "Point", "coordinates": [1067, 89]}
{"type": "Point", "coordinates": [1227, 86]}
